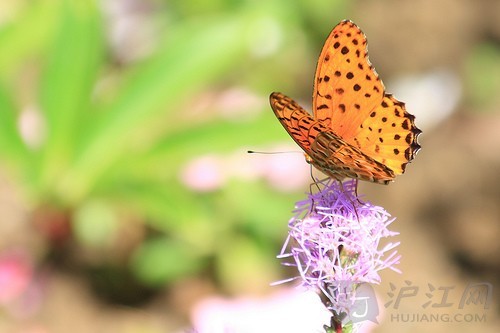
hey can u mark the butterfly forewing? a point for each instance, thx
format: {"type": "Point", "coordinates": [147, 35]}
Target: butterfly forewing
{"type": "Point", "coordinates": [346, 87]}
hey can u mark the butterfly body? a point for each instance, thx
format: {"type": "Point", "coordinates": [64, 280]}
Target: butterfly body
{"type": "Point", "coordinates": [357, 130]}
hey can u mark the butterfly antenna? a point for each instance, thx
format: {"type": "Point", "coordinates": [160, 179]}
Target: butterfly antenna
{"type": "Point", "coordinates": [272, 152]}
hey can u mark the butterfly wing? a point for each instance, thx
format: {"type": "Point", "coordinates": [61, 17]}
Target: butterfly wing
{"type": "Point", "coordinates": [346, 87]}
{"type": "Point", "coordinates": [350, 99]}
{"type": "Point", "coordinates": [389, 135]}
{"type": "Point", "coordinates": [297, 122]}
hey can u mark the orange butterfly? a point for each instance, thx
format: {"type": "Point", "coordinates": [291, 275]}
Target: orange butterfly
{"type": "Point", "coordinates": [358, 130]}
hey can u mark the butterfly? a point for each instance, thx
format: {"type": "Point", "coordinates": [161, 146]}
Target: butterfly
{"type": "Point", "coordinates": [358, 130]}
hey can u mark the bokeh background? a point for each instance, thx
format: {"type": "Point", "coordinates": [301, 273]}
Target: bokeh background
{"type": "Point", "coordinates": [128, 202]}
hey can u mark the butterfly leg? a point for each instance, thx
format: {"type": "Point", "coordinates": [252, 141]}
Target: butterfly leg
{"type": "Point", "coordinates": [356, 190]}
{"type": "Point", "coordinates": [349, 196]}
{"type": "Point", "coordinates": [314, 180]}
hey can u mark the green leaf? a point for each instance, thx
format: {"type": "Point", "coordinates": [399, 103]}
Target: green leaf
{"type": "Point", "coordinates": [67, 83]}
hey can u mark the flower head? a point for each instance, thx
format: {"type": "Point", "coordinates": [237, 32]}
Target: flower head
{"type": "Point", "coordinates": [334, 240]}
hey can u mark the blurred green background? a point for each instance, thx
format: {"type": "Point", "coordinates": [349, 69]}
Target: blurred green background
{"type": "Point", "coordinates": [124, 125]}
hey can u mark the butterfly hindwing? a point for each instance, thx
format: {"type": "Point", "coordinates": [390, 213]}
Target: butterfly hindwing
{"type": "Point", "coordinates": [389, 135]}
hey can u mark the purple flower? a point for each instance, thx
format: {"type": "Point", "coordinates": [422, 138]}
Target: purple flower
{"type": "Point", "coordinates": [334, 241]}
